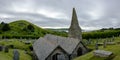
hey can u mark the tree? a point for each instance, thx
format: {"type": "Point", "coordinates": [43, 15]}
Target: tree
{"type": "Point", "coordinates": [30, 28]}
{"type": "Point", "coordinates": [5, 27]}
{"type": "Point", "coordinates": [2, 23]}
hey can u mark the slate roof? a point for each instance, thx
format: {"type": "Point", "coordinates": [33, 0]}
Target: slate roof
{"type": "Point", "coordinates": [68, 44]}
{"type": "Point", "coordinates": [44, 46]}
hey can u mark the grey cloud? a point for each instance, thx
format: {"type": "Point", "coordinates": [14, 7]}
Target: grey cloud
{"type": "Point", "coordinates": [91, 13]}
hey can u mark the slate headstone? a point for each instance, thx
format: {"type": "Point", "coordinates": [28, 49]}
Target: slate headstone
{"type": "Point", "coordinates": [102, 53]}
{"type": "Point", "coordinates": [113, 38]}
{"type": "Point", "coordinates": [104, 44]}
{"type": "Point", "coordinates": [16, 54]}
{"type": "Point", "coordinates": [11, 46]}
{"type": "Point", "coordinates": [96, 46]}
{"type": "Point", "coordinates": [6, 49]}
{"type": "Point", "coordinates": [89, 41]}
{"type": "Point", "coordinates": [110, 43]}
{"type": "Point", "coordinates": [1, 48]}
{"type": "Point", "coordinates": [27, 42]}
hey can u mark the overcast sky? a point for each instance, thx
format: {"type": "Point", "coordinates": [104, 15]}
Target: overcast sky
{"type": "Point", "coordinates": [92, 14]}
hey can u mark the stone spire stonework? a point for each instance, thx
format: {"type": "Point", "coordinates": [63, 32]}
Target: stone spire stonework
{"type": "Point", "coordinates": [75, 30]}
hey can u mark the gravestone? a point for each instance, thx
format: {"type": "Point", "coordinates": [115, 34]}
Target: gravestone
{"type": "Point", "coordinates": [11, 46]}
{"type": "Point", "coordinates": [110, 43]}
{"type": "Point", "coordinates": [107, 40]}
{"type": "Point", "coordinates": [118, 42]}
{"type": "Point", "coordinates": [102, 53]}
{"type": "Point", "coordinates": [113, 38]}
{"type": "Point", "coordinates": [110, 40]}
{"type": "Point", "coordinates": [1, 48]}
{"type": "Point", "coordinates": [27, 42]}
{"type": "Point", "coordinates": [96, 40]}
{"type": "Point", "coordinates": [15, 54]}
{"type": "Point", "coordinates": [89, 41]}
{"type": "Point", "coordinates": [6, 49]}
{"type": "Point", "coordinates": [86, 42]}
{"type": "Point", "coordinates": [104, 44]}
{"type": "Point", "coordinates": [96, 46]}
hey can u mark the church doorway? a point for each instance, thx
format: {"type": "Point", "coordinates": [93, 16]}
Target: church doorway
{"type": "Point", "coordinates": [79, 51]}
{"type": "Point", "coordinates": [58, 56]}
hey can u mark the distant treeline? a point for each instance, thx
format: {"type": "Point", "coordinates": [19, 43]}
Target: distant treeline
{"type": "Point", "coordinates": [96, 34]}
{"type": "Point", "coordinates": [19, 37]}
{"type": "Point", "coordinates": [31, 36]}
{"type": "Point", "coordinates": [101, 34]}
{"type": "Point", "coordinates": [85, 35]}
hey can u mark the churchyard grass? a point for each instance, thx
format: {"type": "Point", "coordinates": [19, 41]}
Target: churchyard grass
{"type": "Point", "coordinates": [9, 55]}
{"type": "Point", "coordinates": [113, 48]}
{"type": "Point", "coordinates": [20, 46]}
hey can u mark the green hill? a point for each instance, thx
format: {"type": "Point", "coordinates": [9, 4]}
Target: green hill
{"type": "Point", "coordinates": [24, 29]}
{"type": "Point", "coordinates": [21, 28]}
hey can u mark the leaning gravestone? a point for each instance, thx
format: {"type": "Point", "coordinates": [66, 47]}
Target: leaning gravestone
{"type": "Point", "coordinates": [6, 49]}
{"type": "Point", "coordinates": [15, 54]}
{"type": "Point", "coordinates": [1, 48]}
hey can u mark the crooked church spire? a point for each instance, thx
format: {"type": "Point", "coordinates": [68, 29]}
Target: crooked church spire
{"type": "Point", "coordinates": [75, 30]}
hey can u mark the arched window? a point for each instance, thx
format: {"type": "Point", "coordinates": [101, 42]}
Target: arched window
{"type": "Point", "coordinates": [79, 51]}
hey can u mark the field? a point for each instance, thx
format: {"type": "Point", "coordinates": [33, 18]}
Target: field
{"type": "Point", "coordinates": [22, 47]}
